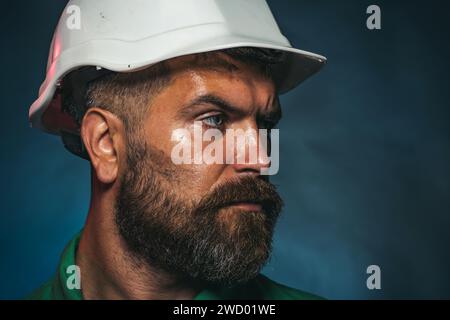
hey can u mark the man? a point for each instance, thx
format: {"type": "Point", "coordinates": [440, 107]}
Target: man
{"type": "Point", "coordinates": [123, 79]}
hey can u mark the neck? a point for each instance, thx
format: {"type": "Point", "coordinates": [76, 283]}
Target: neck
{"type": "Point", "coordinates": [108, 269]}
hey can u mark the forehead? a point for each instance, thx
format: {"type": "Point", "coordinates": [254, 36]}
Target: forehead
{"type": "Point", "coordinates": [216, 73]}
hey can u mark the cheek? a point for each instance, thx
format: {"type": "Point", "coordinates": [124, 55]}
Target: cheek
{"type": "Point", "coordinates": [158, 132]}
{"type": "Point", "coordinates": [206, 177]}
{"type": "Point", "coordinates": [188, 151]}
{"type": "Point", "coordinates": [181, 148]}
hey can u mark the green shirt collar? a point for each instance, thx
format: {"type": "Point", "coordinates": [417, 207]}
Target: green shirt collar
{"type": "Point", "coordinates": [260, 287]}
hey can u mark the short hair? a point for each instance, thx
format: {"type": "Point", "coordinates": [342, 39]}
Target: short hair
{"type": "Point", "coordinates": [117, 92]}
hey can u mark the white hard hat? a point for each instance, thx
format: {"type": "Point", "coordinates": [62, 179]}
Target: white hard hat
{"type": "Point", "coordinates": [125, 36]}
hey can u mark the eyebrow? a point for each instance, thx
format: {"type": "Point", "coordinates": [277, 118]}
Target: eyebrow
{"type": "Point", "coordinates": [226, 106]}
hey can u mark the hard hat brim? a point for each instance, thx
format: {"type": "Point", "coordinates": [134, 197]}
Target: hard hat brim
{"type": "Point", "coordinates": [295, 68]}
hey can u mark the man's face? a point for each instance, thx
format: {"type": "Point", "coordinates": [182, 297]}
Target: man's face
{"type": "Point", "coordinates": [208, 222]}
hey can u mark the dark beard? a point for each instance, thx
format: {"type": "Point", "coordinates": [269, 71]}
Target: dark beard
{"type": "Point", "coordinates": [202, 240]}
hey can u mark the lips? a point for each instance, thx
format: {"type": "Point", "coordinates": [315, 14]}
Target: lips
{"type": "Point", "coordinates": [246, 194]}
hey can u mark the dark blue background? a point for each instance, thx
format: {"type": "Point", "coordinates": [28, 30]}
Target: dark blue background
{"type": "Point", "coordinates": [365, 153]}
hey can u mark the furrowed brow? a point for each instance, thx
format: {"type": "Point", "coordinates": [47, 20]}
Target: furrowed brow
{"type": "Point", "coordinates": [213, 100]}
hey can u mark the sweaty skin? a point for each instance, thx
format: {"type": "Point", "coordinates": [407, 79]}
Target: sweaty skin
{"type": "Point", "coordinates": [108, 271]}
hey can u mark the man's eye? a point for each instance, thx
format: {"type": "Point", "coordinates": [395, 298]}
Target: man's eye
{"type": "Point", "coordinates": [215, 121]}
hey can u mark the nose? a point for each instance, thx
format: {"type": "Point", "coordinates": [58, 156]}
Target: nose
{"type": "Point", "coordinates": [247, 148]}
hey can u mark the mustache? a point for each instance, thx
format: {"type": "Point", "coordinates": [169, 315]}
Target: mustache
{"type": "Point", "coordinates": [247, 189]}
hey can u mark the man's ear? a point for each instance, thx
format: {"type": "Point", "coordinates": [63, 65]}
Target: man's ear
{"type": "Point", "coordinates": [103, 134]}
